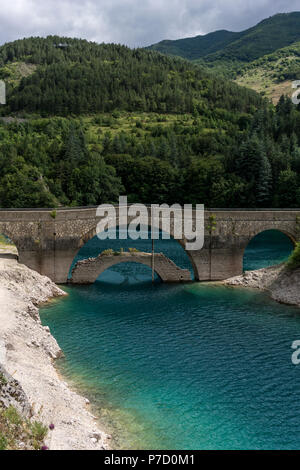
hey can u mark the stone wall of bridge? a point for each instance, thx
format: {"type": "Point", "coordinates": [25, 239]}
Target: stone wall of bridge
{"type": "Point", "coordinates": [48, 241]}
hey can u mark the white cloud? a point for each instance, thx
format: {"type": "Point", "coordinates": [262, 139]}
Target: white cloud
{"type": "Point", "coordinates": [132, 22]}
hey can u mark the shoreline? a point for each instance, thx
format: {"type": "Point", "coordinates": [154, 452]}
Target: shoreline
{"type": "Point", "coordinates": [282, 284]}
{"type": "Point", "coordinates": [28, 352]}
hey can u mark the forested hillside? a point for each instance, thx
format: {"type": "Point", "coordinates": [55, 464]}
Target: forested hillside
{"type": "Point", "coordinates": [86, 122]}
{"type": "Point", "coordinates": [74, 76]}
{"type": "Point", "coordinates": [227, 52]}
{"type": "Point", "coordinates": [198, 46]}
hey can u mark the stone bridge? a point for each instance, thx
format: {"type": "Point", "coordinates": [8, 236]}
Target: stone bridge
{"type": "Point", "coordinates": [48, 241]}
{"type": "Point", "coordinates": [88, 270]}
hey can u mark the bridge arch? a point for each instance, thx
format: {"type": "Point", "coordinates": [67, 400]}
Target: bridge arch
{"type": "Point", "coordinates": [92, 233]}
{"type": "Point", "coordinates": [7, 240]}
{"type": "Point", "coordinates": [268, 248]}
{"type": "Point", "coordinates": [4, 230]}
{"type": "Point", "coordinates": [88, 270]}
{"type": "Point", "coordinates": [289, 234]}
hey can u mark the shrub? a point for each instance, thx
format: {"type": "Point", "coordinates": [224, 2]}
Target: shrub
{"type": "Point", "coordinates": [12, 415]}
{"type": "Point", "coordinates": [3, 442]}
{"type": "Point", "coordinates": [294, 259]}
{"type": "Point", "coordinates": [107, 252]}
{"type": "Point", "coordinates": [3, 380]}
{"type": "Point", "coordinates": [15, 429]}
{"type": "Point", "coordinates": [38, 430]}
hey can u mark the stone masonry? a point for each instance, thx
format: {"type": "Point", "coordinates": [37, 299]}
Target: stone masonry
{"type": "Point", "coordinates": [48, 241]}
{"type": "Point", "coordinates": [88, 270]}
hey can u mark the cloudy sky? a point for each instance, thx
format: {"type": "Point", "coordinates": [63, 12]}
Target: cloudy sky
{"type": "Point", "coordinates": [132, 22]}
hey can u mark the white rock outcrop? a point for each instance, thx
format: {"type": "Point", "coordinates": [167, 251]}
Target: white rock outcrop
{"type": "Point", "coordinates": [282, 284]}
{"type": "Point", "coordinates": [27, 351]}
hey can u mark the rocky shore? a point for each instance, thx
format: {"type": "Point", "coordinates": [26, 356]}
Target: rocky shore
{"type": "Point", "coordinates": [282, 284]}
{"type": "Point", "coordinates": [27, 352]}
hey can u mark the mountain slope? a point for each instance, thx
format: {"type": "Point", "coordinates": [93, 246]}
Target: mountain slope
{"type": "Point", "coordinates": [272, 75]}
{"type": "Point", "coordinates": [86, 122]}
{"type": "Point", "coordinates": [237, 49]}
{"type": "Point", "coordinates": [70, 76]}
{"type": "Point", "coordinates": [197, 47]}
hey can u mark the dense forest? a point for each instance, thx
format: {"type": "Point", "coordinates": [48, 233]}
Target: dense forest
{"type": "Point", "coordinates": [78, 77]}
{"type": "Point", "coordinates": [89, 122]}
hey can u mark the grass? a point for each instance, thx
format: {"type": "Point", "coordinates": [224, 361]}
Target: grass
{"type": "Point", "coordinates": [272, 75]}
{"type": "Point", "coordinates": [110, 252]}
{"type": "Point", "coordinates": [265, 84]}
{"type": "Point", "coordinates": [17, 433]}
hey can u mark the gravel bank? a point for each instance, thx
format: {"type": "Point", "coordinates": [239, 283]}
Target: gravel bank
{"type": "Point", "coordinates": [27, 352]}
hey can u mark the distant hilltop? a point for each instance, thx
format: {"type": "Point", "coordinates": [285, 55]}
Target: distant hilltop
{"type": "Point", "coordinates": [265, 57]}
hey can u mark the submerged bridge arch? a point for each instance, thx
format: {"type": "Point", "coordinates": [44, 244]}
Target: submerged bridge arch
{"type": "Point", "coordinates": [48, 240]}
{"type": "Point", "coordinates": [92, 233]}
{"type": "Point", "coordinates": [87, 271]}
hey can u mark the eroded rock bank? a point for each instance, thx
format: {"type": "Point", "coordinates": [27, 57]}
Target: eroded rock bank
{"type": "Point", "coordinates": [282, 284]}
{"type": "Point", "coordinates": [27, 351]}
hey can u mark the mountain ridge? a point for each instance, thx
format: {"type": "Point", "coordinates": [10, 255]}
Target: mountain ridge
{"type": "Point", "coordinates": [241, 47]}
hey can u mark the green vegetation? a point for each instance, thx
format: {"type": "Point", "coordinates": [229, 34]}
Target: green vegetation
{"type": "Point", "coordinates": [14, 72]}
{"type": "Point", "coordinates": [17, 433]}
{"type": "Point", "coordinates": [84, 78]}
{"type": "Point", "coordinates": [294, 259]}
{"type": "Point", "coordinates": [208, 141]}
{"type": "Point", "coordinates": [3, 380]}
{"type": "Point", "coordinates": [220, 158]}
{"type": "Point", "coordinates": [108, 252]}
{"type": "Point", "coordinates": [197, 47]}
{"type": "Point", "coordinates": [272, 74]}
{"type": "Point", "coordinates": [212, 223]}
{"type": "Point", "coordinates": [5, 241]}
{"type": "Point", "coordinates": [265, 58]}
{"type": "Point", "coordinates": [228, 52]}
{"type": "Point", "coordinates": [111, 252]}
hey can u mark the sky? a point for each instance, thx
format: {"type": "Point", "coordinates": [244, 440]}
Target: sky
{"type": "Point", "coordinates": [136, 23]}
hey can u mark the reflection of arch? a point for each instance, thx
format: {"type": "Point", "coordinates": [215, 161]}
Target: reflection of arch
{"type": "Point", "coordinates": [260, 246]}
{"type": "Point", "coordinates": [87, 271]}
{"type": "Point", "coordinates": [91, 233]}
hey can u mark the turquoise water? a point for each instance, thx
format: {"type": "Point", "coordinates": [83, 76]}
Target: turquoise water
{"type": "Point", "coordinates": [184, 366]}
{"type": "Point", "coordinates": [267, 249]}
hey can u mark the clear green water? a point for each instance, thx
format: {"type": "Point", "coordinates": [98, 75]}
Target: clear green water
{"type": "Point", "coordinates": [185, 366]}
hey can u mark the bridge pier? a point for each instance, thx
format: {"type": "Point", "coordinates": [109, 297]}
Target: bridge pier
{"type": "Point", "coordinates": [217, 264]}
